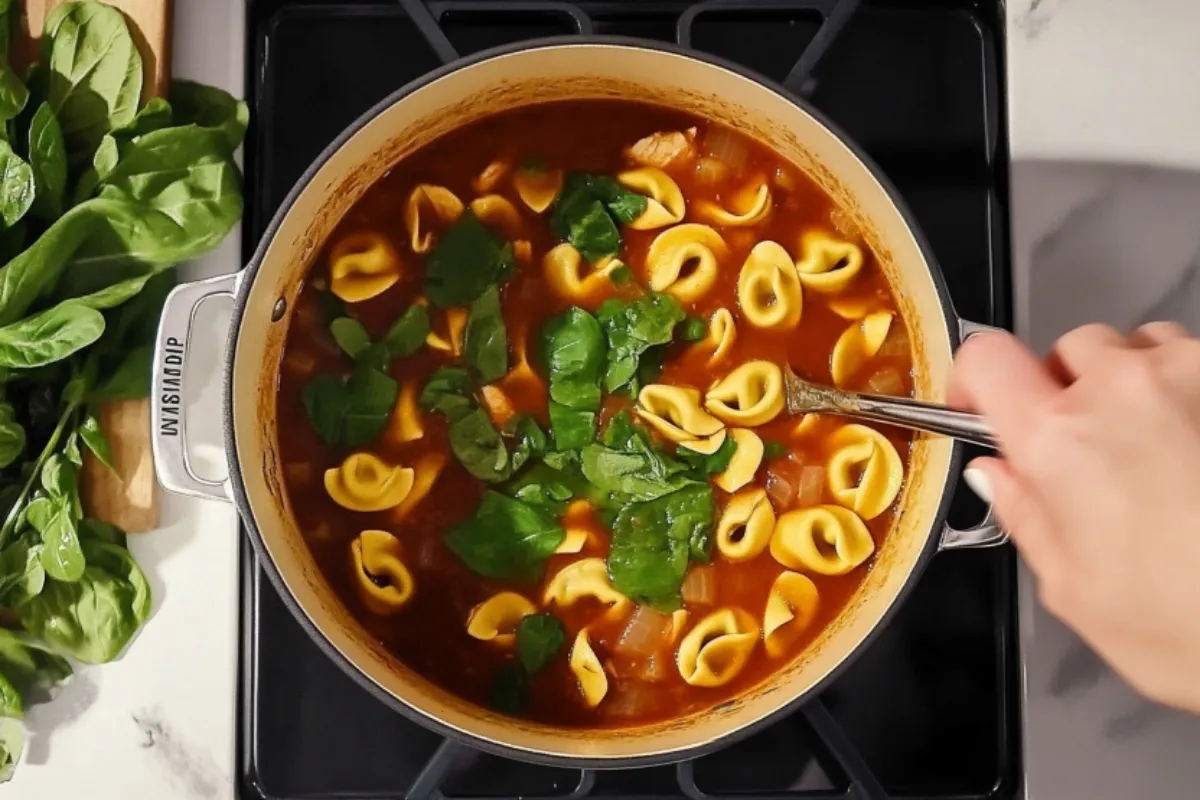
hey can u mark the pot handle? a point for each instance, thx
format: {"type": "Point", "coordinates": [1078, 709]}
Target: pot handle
{"type": "Point", "coordinates": [988, 532]}
{"type": "Point", "coordinates": [168, 433]}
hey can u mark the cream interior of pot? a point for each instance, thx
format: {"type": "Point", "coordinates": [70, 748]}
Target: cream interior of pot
{"type": "Point", "coordinates": [524, 78]}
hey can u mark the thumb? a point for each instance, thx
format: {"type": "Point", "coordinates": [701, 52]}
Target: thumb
{"type": "Point", "coordinates": [1020, 512]}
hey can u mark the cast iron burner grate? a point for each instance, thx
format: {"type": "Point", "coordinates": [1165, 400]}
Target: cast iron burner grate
{"type": "Point", "coordinates": [930, 710]}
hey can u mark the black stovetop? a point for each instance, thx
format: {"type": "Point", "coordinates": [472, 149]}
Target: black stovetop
{"type": "Point", "coordinates": [930, 710]}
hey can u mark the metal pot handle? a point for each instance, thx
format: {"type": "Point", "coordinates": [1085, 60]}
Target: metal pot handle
{"type": "Point", "coordinates": [987, 533]}
{"type": "Point", "coordinates": [168, 430]}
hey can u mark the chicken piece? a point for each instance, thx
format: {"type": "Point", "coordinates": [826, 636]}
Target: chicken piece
{"type": "Point", "coordinates": [665, 149]}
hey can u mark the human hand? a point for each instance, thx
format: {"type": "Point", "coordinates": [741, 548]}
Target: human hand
{"type": "Point", "coordinates": [1099, 487]}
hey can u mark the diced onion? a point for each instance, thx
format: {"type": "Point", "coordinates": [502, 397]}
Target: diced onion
{"type": "Point", "coordinates": [645, 633]}
{"type": "Point", "coordinates": [711, 171]}
{"type": "Point", "coordinates": [885, 381]}
{"type": "Point", "coordinates": [654, 668]}
{"type": "Point", "coordinates": [812, 483]}
{"type": "Point", "coordinates": [726, 145]}
{"type": "Point", "coordinates": [299, 362]}
{"type": "Point", "coordinates": [783, 481]}
{"type": "Point", "coordinates": [785, 179]}
{"type": "Point", "coordinates": [630, 698]}
{"type": "Point", "coordinates": [700, 586]}
{"type": "Point", "coordinates": [897, 342]}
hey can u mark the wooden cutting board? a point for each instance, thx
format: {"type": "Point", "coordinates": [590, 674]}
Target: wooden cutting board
{"type": "Point", "coordinates": [126, 495]}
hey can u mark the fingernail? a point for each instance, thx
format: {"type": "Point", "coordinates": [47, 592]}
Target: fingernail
{"type": "Point", "coordinates": [977, 479]}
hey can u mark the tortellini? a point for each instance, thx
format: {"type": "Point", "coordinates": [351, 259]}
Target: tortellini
{"type": "Point", "coordinates": [426, 472]}
{"type": "Point", "coordinates": [858, 344]}
{"type": "Point", "coordinates": [495, 619]}
{"type": "Point", "coordinates": [722, 334]}
{"type": "Point", "coordinates": [744, 462]}
{"type": "Point", "coordinates": [588, 670]}
{"type": "Point", "coordinates": [563, 267]}
{"type": "Point", "coordinates": [423, 201]}
{"type": "Point", "coordinates": [365, 482]}
{"type": "Point", "coordinates": [769, 289]}
{"type": "Point", "coordinates": [865, 471]}
{"type": "Point", "coordinates": [492, 174]}
{"type": "Point", "coordinates": [684, 261]}
{"type": "Point", "coordinates": [791, 607]}
{"type": "Point", "coordinates": [574, 540]}
{"type": "Point", "coordinates": [746, 525]}
{"type": "Point", "coordinates": [456, 326]}
{"type": "Point", "coordinates": [755, 200]}
{"type": "Point", "coordinates": [717, 648]}
{"type": "Point", "coordinates": [675, 412]}
{"type": "Point", "coordinates": [363, 265]}
{"type": "Point", "coordinates": [749, 396]}
{"type": "Point", "coordinates": [383, 583]}
{"type": "Point", "coordinates": [586, 578]}
{"type": "Point", "coordinates": [538, 188]}
{"type": "Point", "coordinates": [828, 264]}
{"type": "Point", "coordinates": [664, 201]}
{"type": "Point", "coordinates": [499, 212]}
{"type": "Point", "coordinates": [826, 539]}
{"type": "Point", "coordinates": [406, 423]}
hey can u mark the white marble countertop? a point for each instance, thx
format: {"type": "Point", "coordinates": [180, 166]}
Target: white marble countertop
{"type": "Point", "coordinates": [1103, 105]}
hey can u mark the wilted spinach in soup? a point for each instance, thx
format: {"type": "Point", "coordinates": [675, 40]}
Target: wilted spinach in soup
{"type": "Point", "coordinates": [532, 413]}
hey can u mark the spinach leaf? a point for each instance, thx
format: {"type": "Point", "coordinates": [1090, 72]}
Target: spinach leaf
{"type": "Point", "coordinates": [506, 539]}
{"type": "Point", "coordinates": [449, 392]}
{"type": "Point", "coordinates": [22, 575]}
{"type": "Point", "coordinates": [705, 465]}
{"type": "Point", "coordinates": [620, 276]}
{"type": "Point", "coordinates": [16, 186]}
{"type": "Point", "coordinates": [12, 435]}
{"type": "Point", "coordinates": [211, 108]}
{"type": "Point", "coordinates": [540, 638]}
{"type": "Point", "coordinates": [479, 448]}
{"type": "Point", "coordinates": [11, 705]}
{"type": "Point", "coordinates": [631, 477]}
{"type": "Point", "coordinates": [13, 94]}
{"type": "Point", "coordinates": [49, 336]}
{"type": "Point", "coordinates": [652, 543]}
{"type": "Point", "coordinates": [632, 328]}
{"type": "Point", "coordinates": [624, 205]}
{"type": "Point", "coordinates": [130, 378]}
{"type": "Point", "coordinates": [93, 618]}
{"type": "Point", "coordinates": [408, 332]}
{"type": "Point", "coordinates": [48, 160]}
{"type": "Point", "coordinates": [102, 531]}
{"type": "Point", "coordinates": [350, 412]}
{"type": "Point", "coordinates": [54, 519]}
{"type": "Point", "coordinates": [475, 442]}
{"type": "Point", "coordinates": [588, 210]}
{"type": "Point", "coordinates": [350, 335]}
{"type": "Point", "coordinates": [572, 428]}
{"type": "Point", "coordinates": [94, 438]}
{"type": "Point", "coordinates": [36, 271]}
{"type": "Point", "coordinates": [485, 343]}
{"type": "Point", "coordinates": [531, 439]}
{"type": "Point", "coordinates": [551, 496]}
{"type": "Point", "coordinates": [466, 261]}
{"type": "Point", "coordinates": [95, 73]}
{"type": "Point", "coordinates": [573, 346]}
{"type": "Point", "coordinates": [29, 665]}
{"type": "Point", "coordinates": [155, 115]}
{"type": "Point", "coordinates": [773, 450]}
{"type": "Point", "coordinates": [510, 689]}
{"type": "Point", "coordinates": [12, 743]}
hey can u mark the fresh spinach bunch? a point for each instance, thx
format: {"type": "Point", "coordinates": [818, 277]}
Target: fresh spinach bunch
{"type": "Point", "coordinates": [100, 196]}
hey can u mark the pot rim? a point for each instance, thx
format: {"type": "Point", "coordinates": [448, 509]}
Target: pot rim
{"type": "Point", "coordinates": [241, 500]}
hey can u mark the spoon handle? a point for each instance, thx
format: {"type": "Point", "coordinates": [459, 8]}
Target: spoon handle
{"type": "Point", "coordinates": [921, 416]}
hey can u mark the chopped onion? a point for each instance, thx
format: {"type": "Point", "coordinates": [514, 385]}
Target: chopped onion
{"type": "Point", "coordinates": [785, 179]}
{"type": "Point", "coordinates": [897, 342]}
{"type": "Point", "coordinates": [299, 362]}
{"type": "Point", "coordinates": [645, 633]}
{"type": "Point", "coordinates": [812, 483]}
{"type": "Point", "coordinates": [885, 381]}
{"type": "Point", "coordinates": [700, 586]}
{"type": "Point", "coordinates": [726, 145]}
{"type": "Point", "coordinates": [780, 490]}
{"type": "Point", "coordinates": [652, 669]}
{"type": "Point", "coordinates": [844, 224]}
{"type": "Point", "coordinates": [711, 171]}
{"type": "Point", "coordinates": [630, 698]}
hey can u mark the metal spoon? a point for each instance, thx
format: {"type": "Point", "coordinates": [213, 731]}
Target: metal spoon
{"type": "Point", "coordinates": [803, 397]}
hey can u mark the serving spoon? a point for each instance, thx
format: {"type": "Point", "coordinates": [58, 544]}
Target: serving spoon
{"type": "Point", "coordinates": [805, 397]}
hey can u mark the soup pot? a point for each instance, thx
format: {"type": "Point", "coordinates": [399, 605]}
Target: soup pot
{"type": "Point", "coordinates": [497, 80]}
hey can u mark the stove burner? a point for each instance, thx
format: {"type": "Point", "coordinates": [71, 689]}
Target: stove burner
{"type": "Point", "coordinates": [930, 710]}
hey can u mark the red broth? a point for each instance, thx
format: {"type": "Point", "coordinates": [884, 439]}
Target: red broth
{"type": "Point", "coordinates": [429, 633]}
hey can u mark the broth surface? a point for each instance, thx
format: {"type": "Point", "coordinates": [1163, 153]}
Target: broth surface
{"type": "Point", "coordinates": [429, 632]}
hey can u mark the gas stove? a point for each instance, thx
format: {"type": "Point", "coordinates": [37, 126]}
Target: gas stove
{"type": "Point", "coordinates": [931, 708]}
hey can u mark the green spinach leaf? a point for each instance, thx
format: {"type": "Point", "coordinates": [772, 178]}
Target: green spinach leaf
{"type": "Point", "coordinates": [408, 332]}
{"type": "Point", "coordinates": [631, 477]}
{"type": "Point", "coordinates": [713, 464]}
{"type": "Point", "coordinates": [465, 262]}
{"type": "Point", "coordinates": [588, 210]}
{"type": "Point", "coordinates": [29, 665]}
{"type": "Point", "coordinates": [773, 450]}
{"type": "Point", "coordinates": [211, 108]}
{"type": "Point", "coordinates": [94, 438]}
{"type": "Point", "coordinates": [16, 186]}
{"type": "Point", "coordinates": [551, 496]}
{"type": "Point", "coordinates": [54, 519]}
{"type": "Point", "coordinates": [48, 160]}
{"type": "Point", "coordinates": [350, 412]}
{"type": "Point", "coordinates": [130, 378]}
{"type": "Point", "coordinates": [485, 344]}
{"type": "Point", "coordinates": [574, 350]}
{"type": "Point", "coordinates": [49, 336]}
{"type": "Point", "coordinates": [632, 328]}
{"type": "Point", "coordinates": [13, 94]}
{"type": "Point", "coordinates": [475, 442]}
{"type": "Point", "coordinates": [12, 435]}
{"type": "Point", "coordinates": [350, 336]}
{"type": "Point", "coordinates": [510, 689]}
{"type": "Point", "coordinates": [539, 640]}
{"type": "Point", "coordinates": [22, 575]}
{"type": "Point", "coordinates": [12, 744]}
{"type": "Point", "coordinates": [572, 429]}
{"type": "Point", "coordinates": [37, 270]}
{"type": "Point", "coordinates": [506, 539]}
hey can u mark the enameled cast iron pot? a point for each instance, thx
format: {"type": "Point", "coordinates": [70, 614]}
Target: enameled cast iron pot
{"type": "Point", "coordinates": [575, 68]}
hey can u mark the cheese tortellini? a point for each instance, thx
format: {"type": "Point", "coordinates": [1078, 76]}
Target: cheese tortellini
{"type": "Point", "coordinates": [383, 583]}
{"type": "Point", "coordinates": [721, 336]}
{"type": "Point", "coordinates": [406, 425]}
{"type": "Point", "coordinates": [858, 344]}
{"type": "Point", "coordinates": [363, 265]}
{"type": "Point", "coordinates": [746, 525]}
{"type": "Point", "coordinates": [495, 619]}
{"type": "Point", "coordinates": [586, 578]}
{"type": "Point", "coordinates": [826, 539]}
{"type": "Point", "coordinates": [538, 188]}
{"type": "Point", "coordinates": [755, 199]}
{"type": "Point", "coordinates": [365, 482]}
{"type": "Point", "coordinates": [684, 261]}
{"type": "Point", "coordinates": [588, 670]}
{"type": "Point", "coordinates": [425, 474]}
{"type": "Point", "coordinates": [664, 202]}
{"type": "Point", "coordinates": [791, 607]}
{"type": "Point", "coordinates": [498, 211]}
{"type": "Point", "coordinates": [749, 396]}
{"type": "Point", "coordinates": [425, 204]}
{"type": "Point", "coordinates": [675, 412]}
{"type": "Point", "coordinates": [827, 264]}
{"type": "Point", "coordinates": [769, 289]}
{"type": "Point", "coordinates": [717, 648]}
{"type": "Point", "coordinates": [744, 462]}
{"type": "Point", "coordinates": [564, 269]}
{"type": "Point", "coordinates": [865, 471]}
